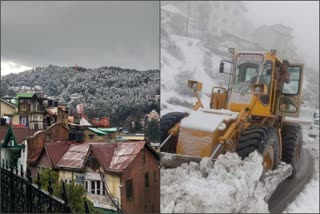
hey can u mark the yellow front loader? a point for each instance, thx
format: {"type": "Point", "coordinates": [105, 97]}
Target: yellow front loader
{"type": "Point", "coordinates": [248, 115]}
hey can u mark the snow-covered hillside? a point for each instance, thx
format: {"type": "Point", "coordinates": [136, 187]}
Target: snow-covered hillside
{"type": "Point", "coordinates": [184, 59]}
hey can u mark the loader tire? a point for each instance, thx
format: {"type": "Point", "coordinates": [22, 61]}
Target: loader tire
{"type": "Point", "coordinates": [166, 123]}
{"type": "Point", "coordinates": [265, 140]}
{"type": "Point", "coordinates": [292, 145]}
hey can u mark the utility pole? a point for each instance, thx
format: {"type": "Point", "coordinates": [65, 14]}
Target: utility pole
{"type": "Point", "coordinates": [187, 24]}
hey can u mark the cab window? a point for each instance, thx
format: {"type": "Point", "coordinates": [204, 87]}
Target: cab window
{"type": "Point", "coordinates": [265, 78]}
{"type": "Point", "coordinates": [292, 88]}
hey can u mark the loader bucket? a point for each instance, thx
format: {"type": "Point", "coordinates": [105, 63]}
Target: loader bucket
{"type": "Point", "coordinates": [169, 160]}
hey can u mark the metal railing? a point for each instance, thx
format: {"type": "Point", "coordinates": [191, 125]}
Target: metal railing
{"type": "Point", "coordinates": [20, 195]}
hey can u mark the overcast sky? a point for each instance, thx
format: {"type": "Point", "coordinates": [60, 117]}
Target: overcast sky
{"type": "Point", "coordinates": [301, 16]}
{"type": "Point", "coordinates": [89, 34]}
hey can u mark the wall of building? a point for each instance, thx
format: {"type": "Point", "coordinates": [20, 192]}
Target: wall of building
{"type": "Point", "coordinates": [95, 138]}
{"type": "Point", "coordinates": [44, 161]}
{"type": "Point", "coordinates": [36, 143]}
{"type": "Point", "coordinates": [24, 157]}
{"type": "Point", "coordinates": [145, 199]}
{"type": "Point", "coordinates": [113, 183]}
{"type": "Point", "coordinates": [36, 121]}
{"type": "Point", "coordinates": [65, 175]}
{"type": "Point", "coordinates": [58, 132]}
{"type": "Point", "coordinates": [62, 117]}
{"type": "Point", "coordinates": [99, 199]}
{"type": "Point", "coordinates": [7, 154]}
{"type": "Point", "coordinates": [9, 110]}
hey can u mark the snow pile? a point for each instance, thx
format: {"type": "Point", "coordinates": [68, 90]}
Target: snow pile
{"type": "Point", "coordinates": [231, 185]}
{"type": "Point", "coordinates": [308, 200]}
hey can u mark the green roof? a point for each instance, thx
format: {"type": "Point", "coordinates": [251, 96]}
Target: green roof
{"type": "Point", "coordinates": [97, 131]}
{"type": "Point", "coordinates": [108, 130]}
{"type": "Point", "coordinates": [27, 95]}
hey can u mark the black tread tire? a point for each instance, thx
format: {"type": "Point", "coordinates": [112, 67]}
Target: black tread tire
{"type": "Point", "coordinates": [259, 138]}
{"type": "Point", "coordinates": [291, 136]}
{"type": "Point", "coordinates": [166, 123]}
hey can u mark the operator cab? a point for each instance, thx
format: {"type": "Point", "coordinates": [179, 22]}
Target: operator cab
{"type": "Point", "coordinates": [255, 67]}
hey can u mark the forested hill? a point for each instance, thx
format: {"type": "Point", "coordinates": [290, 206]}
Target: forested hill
{"type": "Point", "coordinates": [107, 91]}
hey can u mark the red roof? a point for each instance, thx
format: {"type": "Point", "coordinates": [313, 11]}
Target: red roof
{"type": "Point", "coordinates": [122, 155]}
{"type": "Point", "coordinates": [56, 150]}
{"type": "Point", "coordinates": [75, 157]}
{"type": "Point", "coordinates": [113, 157]}
{"type": "Point", "coordinates": [20, 134]}
{"type": "Point", "coordinates": [104, 153]}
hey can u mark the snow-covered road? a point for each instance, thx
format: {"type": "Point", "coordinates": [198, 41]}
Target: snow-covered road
{"type": "Point", "coordinates": [308, 200]}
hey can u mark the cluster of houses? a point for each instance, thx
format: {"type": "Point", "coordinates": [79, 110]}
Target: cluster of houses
{"type": "Point", "coordinates": [118, 171]}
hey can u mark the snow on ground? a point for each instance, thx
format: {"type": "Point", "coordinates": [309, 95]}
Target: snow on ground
{"type": "Point", "coordinates": [308, 200]}
{"type": "Point", "coordinates": [231, 185]}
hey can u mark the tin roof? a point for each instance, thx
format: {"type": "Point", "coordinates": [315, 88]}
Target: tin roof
{"type": "Point", "coordinates": [55, 151]}
{"type": "Point", "coordinates": [95, 130]}
{"type": "Point", "coordinates": [75, 157]}
{"type": "Point", "coordinates": [108, 130]}
{"type": "Point", "coordinates": [104, 153]}
{"type": "Point", "coordinates": [121, 157]}
{"type": "Point", "coordinates": [113, 157]}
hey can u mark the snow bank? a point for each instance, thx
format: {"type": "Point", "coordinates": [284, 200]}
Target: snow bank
{"type": "Point", "coordinates": [229, 186]}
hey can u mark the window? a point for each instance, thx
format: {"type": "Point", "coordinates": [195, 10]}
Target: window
{"type": "Point", "coordinates": [143, 157]}
{"type": "Point", "coordinates": [93, 187]}
{"type": "Point", "coordinates": [247, 68]}
{"type": "Point", "coordinates": [286, 105]}
{"type": "Point", "coordinates": [91, 136]}
{"type": "Point", "coordinates": [146, 179]}
{"type": "Point", "coordinates": [265, 78]}
{"type": "Point", "coordinates": [129, 188]}
{"type": "Point", "coordinates": [292, 88]}
{"type": "Point", "coordinates": [98, 188]}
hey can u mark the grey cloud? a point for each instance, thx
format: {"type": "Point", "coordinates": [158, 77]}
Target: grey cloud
{"type": "Point", "coordinates": [89, 34]}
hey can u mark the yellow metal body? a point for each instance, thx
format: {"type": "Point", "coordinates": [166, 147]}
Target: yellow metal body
{"type": "Point", "coordinates": [200, 143]}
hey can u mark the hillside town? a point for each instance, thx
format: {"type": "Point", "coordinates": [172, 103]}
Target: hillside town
{"type": "Point", "coordinates": [118, 169]}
